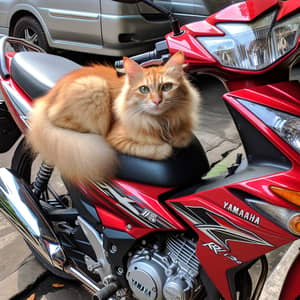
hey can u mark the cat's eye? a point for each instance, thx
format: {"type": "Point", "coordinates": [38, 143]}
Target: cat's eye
{"type": "Point", "coordinates": [144, 89]}
{"type": "Point", "coordinates": [167, 87]}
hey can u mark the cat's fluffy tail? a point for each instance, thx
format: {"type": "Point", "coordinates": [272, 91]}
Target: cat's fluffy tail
{"type": "Point", "coordinates": [78, 156]}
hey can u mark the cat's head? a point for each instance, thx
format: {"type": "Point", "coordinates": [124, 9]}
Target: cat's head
{"type": "Point", "coordinates": [157, 89]}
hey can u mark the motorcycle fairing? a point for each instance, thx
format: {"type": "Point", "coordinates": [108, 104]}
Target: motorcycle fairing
{"type": "Point", "coordinates": [282, 96]}
{"type": "Point", "coordinates": [291, 287]}
{"type": "Point", "coordinates": [246, 11]}
{"type": "Point", "coordinates": [132, 208]}
{"type": "Point", "coordinates": [230, 230]}
{"type": "Point", "coordinates": [228, 237]}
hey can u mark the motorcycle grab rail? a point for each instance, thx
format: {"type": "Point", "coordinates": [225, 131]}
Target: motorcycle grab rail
{"type": "Point", "coordinates": [12, 40]}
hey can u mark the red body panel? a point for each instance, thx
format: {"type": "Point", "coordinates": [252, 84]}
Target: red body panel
{"type": "Point", "coordinates": [22, 126]}
{"type": "Point", "coordinates": [242, 12]}
{"type": "Point", "coordinates": [201, 61]}
{"type": "Point", "coordinates": [282, 96]}
{"type": "Point", "coordinates": [291, 287]}
{"type": "Point", "coordinates": [287, 8]}
{"type": "Point", "coordinates": [217, 261]}
{"type": "Point", "coordinates": [121, 216]}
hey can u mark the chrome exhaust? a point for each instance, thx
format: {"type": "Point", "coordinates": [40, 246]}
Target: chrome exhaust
{"type": "Point", "coordinates": [18, 205]}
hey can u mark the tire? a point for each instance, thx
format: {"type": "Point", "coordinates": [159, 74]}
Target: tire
{"type": "Point", "coordinates": [22, 162]}
{"type": "Point", "coordinates": [30, 29]}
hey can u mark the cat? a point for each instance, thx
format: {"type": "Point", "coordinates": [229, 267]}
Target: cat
{"type": "Point", "coordinates": [91, 112]}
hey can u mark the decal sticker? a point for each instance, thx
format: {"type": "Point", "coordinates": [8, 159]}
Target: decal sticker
{"type": "Point", "coordinates": [242, 213]}
{"type": "Point", "coordinates": [131, 204]}
{"type": "Point", "coordinates": [219, 250]}
{"type": "Point", "coordinates": [217, 227]}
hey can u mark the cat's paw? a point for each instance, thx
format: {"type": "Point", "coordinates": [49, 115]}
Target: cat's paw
{"type": "Point", "coordinates": [163, 151]}
{"type": "Point", "coordinates": [181, 140]}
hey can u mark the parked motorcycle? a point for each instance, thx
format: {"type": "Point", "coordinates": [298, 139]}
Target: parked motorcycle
{"type": "Point", "coordinates": [158, 230]}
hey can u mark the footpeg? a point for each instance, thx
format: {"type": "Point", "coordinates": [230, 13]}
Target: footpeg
{"type": "Point", "coordinates": [106, 291]}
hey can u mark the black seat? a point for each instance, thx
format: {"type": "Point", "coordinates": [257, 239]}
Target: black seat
{"type": "Point", "coordinates": [36, 73]}
{"type": "Point", "coordinates": [186, 166]}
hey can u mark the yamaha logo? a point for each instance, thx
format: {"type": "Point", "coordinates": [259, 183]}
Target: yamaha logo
{"type": "Point", "coordinates": [141, 287]}
{"type": "Point", "coordinates": [246, 215]}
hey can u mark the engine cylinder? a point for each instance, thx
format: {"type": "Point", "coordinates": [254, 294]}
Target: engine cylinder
{"type": "Point", "coordinates": [170, 274]}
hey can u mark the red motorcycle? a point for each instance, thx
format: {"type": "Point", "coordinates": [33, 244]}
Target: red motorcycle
{"type": "Point", "coordinates": [158, 230]}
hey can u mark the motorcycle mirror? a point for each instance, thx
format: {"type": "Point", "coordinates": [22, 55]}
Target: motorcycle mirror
{"type": "Point", "coordinates": [175, 26]}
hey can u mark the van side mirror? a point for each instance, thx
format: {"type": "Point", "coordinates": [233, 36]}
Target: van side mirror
{"type": "Point", "coordinates": [173, 21]}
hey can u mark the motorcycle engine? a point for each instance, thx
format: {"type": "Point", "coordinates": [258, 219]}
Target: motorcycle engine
{"type": "Point", "coordinates": [171, 274]}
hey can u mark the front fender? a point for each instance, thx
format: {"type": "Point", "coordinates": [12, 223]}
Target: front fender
{"type": "Point", "coordinates": [291, 286]}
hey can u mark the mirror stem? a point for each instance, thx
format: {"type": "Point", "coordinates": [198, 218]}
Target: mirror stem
{"type": "Point", "coordinates": [175, 26]}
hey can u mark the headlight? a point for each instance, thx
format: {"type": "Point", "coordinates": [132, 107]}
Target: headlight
{"type": "Point", "coordinates": [253, 46]}
{"type": "Point", "coordinates": [285, 125]}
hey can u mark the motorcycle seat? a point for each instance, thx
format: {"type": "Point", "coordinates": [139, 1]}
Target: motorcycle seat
{"type": "Point", "coordinates": [186, 166]}
{"type": "Point", "coordinates": [36, 73]}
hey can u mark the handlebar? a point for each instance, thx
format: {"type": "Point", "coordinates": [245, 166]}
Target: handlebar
{"type": "Point", "coordinates": [3, 43]}
{"type": "Point", "coordinates": [156, 56]}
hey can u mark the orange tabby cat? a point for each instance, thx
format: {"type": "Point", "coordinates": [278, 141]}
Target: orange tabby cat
{"type": "Point", "coordinates": [144, 113]}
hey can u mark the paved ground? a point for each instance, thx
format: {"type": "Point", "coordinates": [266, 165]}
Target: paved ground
{"type": "Point", "coordinates": [21, 277]}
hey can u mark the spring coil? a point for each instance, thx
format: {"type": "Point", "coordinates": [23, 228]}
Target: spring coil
{"type": "Point", "coordinates": [42, 179]}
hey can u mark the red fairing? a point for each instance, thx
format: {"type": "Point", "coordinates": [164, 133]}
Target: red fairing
{"type": "Point", "coordinates": [242, 12]}
{"type": "Point", "coordinates": [288, 7]}
{"type": "Point", "coordinates": [244, 238]}
{"type": "Point", "coordinates": [281, 96]}
{"type": "Point", "coordinates": [201, 60]}
{"type": "Point", "coordinates": [291, 287]}
{"type": "Point", "coordinates": [19, 92]}
{"type": "Point", "coordinates": [131, 207]}
{"type": "Point", "coordinates": [233, 232]}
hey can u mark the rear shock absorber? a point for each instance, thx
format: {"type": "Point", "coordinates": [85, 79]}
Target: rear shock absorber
{"type": "Point", "coordinates": [42, 179]}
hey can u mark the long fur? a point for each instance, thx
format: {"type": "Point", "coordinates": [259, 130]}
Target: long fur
{"type": "Point", "coordinates": [78, 156]}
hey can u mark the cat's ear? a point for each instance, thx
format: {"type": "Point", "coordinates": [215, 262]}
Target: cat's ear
{"type": "Point", "coordinates": [175, 64]}
{"type": "Point", "coordinates": [133, 70]}
{"type": "Point", "coordinates": [176, 59]}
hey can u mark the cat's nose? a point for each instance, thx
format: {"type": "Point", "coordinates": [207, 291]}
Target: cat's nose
{"type": "Point", "coordinates": [157, 101]}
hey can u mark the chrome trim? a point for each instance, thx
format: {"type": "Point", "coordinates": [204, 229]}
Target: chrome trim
{"type": "Point", "coordinates": [96, 242]}
{"type": "Point", "coordinates": [79, 275]}
{"type": "Point", "coordinates": [278, 214]}
{"type": "Point", "coordinates": [22, 107]}
{"type": "Point", "coordinates": [152, 62]}
{"type": "Point", "coordinates": [118, 17]}
{"type": "Point", "coordinates": [63, 13]}
{"type": "Point", "coordinates": [18, 205]}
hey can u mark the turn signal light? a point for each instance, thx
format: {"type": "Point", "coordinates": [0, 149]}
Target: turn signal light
{"type": "Point", "coordinates": [294, 224]}
{"type": "Point", "coordinates": [285, 194]}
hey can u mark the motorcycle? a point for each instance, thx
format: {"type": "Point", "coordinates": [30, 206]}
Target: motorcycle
{"type": "Point", "coordinates": [159, 230]}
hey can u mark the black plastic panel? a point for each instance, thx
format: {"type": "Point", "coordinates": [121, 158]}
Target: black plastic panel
{"type": "Point", "coordinates": [258, 148]}
{"type": "Point", "coordinates": [185, 167]}
{"type": "Point", "coordinates": [9, 132]}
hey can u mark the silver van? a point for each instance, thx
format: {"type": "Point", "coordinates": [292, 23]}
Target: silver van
{"type": "Point", "coordinates": [96, 26]}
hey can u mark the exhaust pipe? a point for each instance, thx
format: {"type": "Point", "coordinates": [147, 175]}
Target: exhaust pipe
{"type": "Point", "coordinates": [18, 205]}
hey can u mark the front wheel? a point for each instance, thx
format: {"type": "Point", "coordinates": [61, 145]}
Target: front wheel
{"type": "Point", "coordinates": [24, 165]}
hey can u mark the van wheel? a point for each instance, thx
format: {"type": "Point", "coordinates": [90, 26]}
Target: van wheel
{"type": "Point", "coordinates": [29, 28]}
